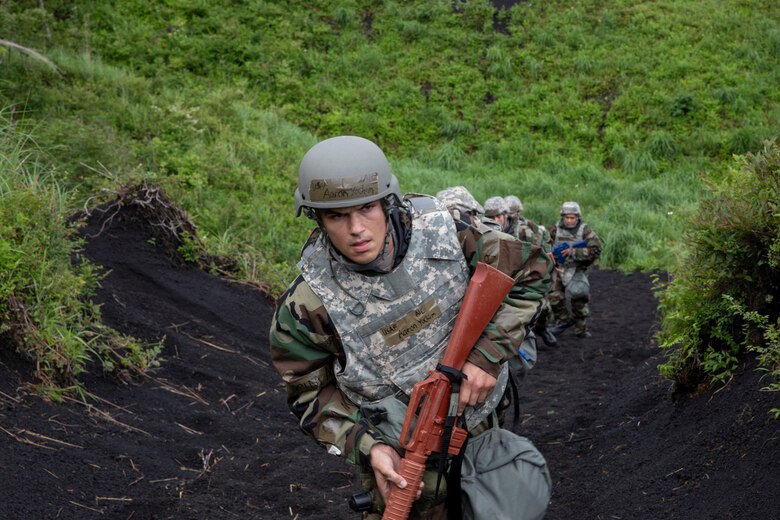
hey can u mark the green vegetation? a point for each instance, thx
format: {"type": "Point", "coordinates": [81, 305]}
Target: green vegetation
{"type": "Point", "coordinates": [45, 310]}
{"type": "Point", "coordinates": [724, 299]}
{"type": "Point", "coordinates": [632, 109]}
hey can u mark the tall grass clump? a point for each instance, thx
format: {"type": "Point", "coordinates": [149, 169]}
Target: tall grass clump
{"type": "Point", "coordinates": [723, 302]}
{"type": "Point", "coordinates": [45, 309]}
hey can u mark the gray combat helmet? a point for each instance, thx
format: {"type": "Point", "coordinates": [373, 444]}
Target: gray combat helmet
{"type": "Point", "coordinates": [496, 206]}
{"type": "Point", "coordinates": [515, 205]}
{"type": "Point", "coordinates": [570, 208]}
{"type": "Point", "coordinates": [461, 199]}
{"type": "Point", "coordinates": [344, 171]}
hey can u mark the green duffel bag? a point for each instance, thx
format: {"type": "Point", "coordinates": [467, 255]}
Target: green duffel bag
{"type": "Point", "coordinates": [504, 477]}
{"type": "Point", "coordinates": [579, 286]}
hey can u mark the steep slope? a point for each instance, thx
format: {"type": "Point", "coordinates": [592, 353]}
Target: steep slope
{"type": "Point", "coordinates": [208, 434]}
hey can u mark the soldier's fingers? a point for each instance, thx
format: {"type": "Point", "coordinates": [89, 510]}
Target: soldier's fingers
{"type": "Point", "coordinates": [395, 478]}
{"type": "Point", "coordinates": [466, 395]}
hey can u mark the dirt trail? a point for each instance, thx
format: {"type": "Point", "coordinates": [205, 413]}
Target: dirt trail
{"type": "Point", "coordinates": [208, 434]}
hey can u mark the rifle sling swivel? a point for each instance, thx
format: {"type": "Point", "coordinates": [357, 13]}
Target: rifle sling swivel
{"type": "Point", "coordinates": [455, 376]}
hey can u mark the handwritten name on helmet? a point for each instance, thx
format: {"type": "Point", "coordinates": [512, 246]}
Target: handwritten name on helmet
{"type": "Point", "coordinates": [346, 188]}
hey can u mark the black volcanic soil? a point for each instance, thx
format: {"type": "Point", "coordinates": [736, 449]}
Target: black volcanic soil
{"type": "Point", "coordinates": [207, 435]}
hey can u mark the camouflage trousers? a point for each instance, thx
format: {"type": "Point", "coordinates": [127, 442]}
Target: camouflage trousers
{"type": "Point", "coordinates": [559, 307]}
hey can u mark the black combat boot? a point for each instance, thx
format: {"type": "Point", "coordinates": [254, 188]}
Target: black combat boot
{"type": "Point", "coordinates": [560, 327]}
{"type": "Point", "coordinates": [547, 336]}
{"type": "Point", "coordinates": [581, 329]}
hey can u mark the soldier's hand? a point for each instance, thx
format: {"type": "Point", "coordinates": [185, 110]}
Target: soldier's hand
{"type": "Point", "coordinates": [476, 388]}
{"type": "Point", "coordinates": [385, 461]}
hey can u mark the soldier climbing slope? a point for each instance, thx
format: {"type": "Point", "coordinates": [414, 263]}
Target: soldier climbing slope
{"type": "Point", "coordinates": [570, 281]}
{"type": "Point", "coordinates": [370, 315]}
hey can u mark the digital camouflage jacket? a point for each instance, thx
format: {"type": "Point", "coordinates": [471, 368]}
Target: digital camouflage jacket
{"type": "Point", "coordinates": [306, 348]}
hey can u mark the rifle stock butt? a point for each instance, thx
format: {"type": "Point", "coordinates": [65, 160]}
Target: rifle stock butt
{"type": "Point", "coordinates": [487, 289]}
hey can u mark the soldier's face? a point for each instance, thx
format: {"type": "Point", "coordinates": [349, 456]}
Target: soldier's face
{"type": "Point", "coordinates": [358, 232]}
{"type": "Point", "coordinates": [501, 219]}
{"type": "Point", "coordinates": [569, 220]}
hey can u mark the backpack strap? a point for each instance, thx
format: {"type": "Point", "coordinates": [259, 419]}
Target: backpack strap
{"type": "Point", "coordinates": [515, 402]}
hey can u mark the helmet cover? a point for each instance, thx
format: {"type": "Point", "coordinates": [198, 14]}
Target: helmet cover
{"type": "Point", "coordinates": [458, 197]}
{"type": "Point", "coordinates": [514, 203]}
{"type": "Point", "coordinates": [570, 208]}
{"type": "Point", "coordinates": [496, 206]}
{"type": "Point", "coordinates": [344, 171]}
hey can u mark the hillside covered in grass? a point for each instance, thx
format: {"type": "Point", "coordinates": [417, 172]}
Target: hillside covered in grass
{"type": "Point", "coordinates": [624, 107]}
{"type": "Point", "coordinates": [633, 109]}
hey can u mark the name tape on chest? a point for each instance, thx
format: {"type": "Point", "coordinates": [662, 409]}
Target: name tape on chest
{"type": "Point", "coordinates": [411, 324]}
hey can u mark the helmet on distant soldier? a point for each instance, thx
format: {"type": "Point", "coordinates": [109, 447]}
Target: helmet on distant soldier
{"type": "Point", "coordinates": [570, 215]}
{"type": "Point", "coordinates": [461, 199]}
{"type": "Point", "coordinates": [570, 208]}
{"type": "Point", "coordinates": [461, 204]}
{"type": "Point", "coordinates": [343, 171]}
{"type": "Point", "coordinates": [515, 205]}
{"type": "Point", "coordinates": [495, 206]}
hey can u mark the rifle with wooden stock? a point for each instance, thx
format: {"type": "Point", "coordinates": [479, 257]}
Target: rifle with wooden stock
{"type": "Point", "coordinates": [430, 425]}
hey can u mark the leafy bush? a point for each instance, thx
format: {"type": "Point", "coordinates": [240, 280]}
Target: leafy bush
{"type": "Point", "coordinates": [723, 301]}
{"type": "Point", "coordinates": [45, 308]}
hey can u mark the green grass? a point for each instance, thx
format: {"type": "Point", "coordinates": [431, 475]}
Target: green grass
{"type": "Point", "coordinates": [629, 108]}
{"type": "Point", "coordinates": [45, 298]}
{"type": "Point", "coordinates": [621, 106]}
